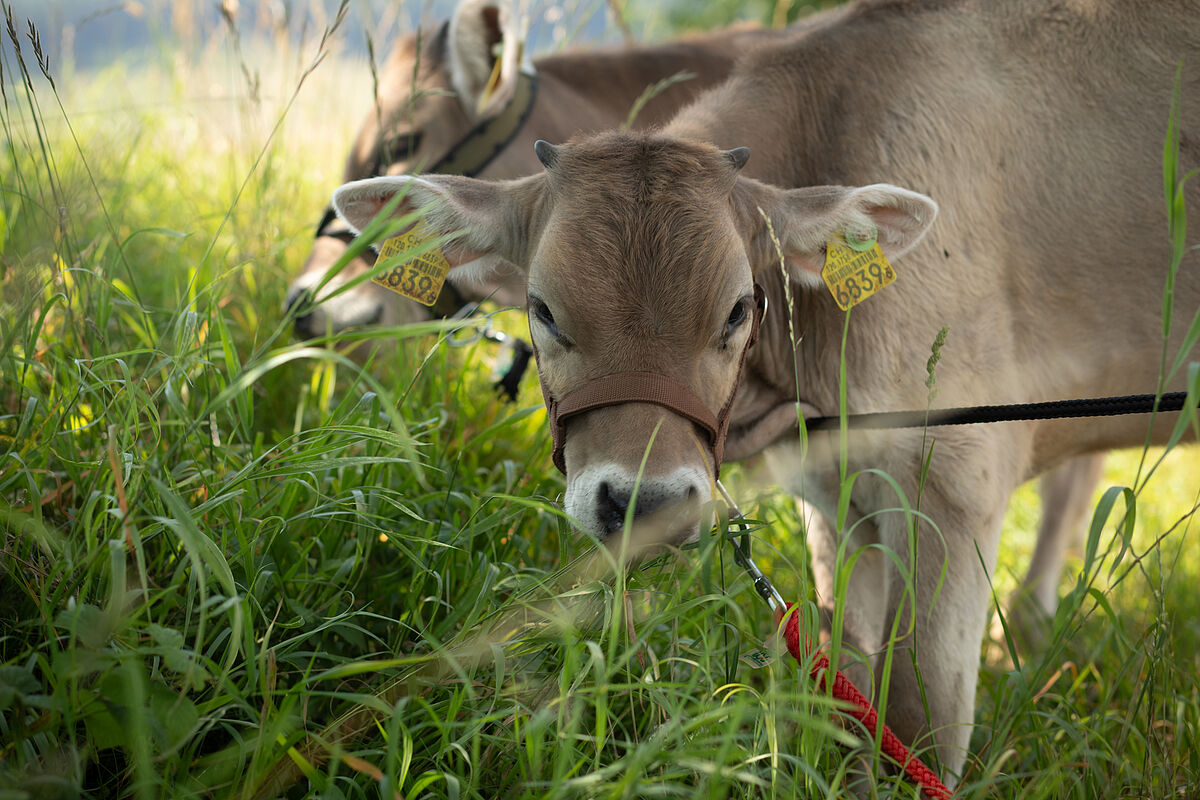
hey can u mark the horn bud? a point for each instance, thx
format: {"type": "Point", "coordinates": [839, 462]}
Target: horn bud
{"type": "Point", "coordinates": [546, 153]}
{"type": "Point", "coordinates": [738, 156]}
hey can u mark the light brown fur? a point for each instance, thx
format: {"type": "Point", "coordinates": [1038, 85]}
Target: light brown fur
{"type": "Point", "coordinates": [1037, 127]}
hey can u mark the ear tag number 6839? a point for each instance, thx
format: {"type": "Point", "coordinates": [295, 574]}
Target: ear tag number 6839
{"type": "Point", "coordinates": [420, 277]}
{"type": "Point", "coordinates": [855, 268]}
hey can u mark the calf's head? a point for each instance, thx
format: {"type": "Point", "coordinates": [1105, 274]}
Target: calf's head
{"type": "Point", "coordinates": [640, 253]}
{"type": "Point", "coordinates": [434, 88]}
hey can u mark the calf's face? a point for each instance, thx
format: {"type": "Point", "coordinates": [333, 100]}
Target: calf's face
{"type": "Point", "coordinates": [415, 119]}
{"type": "Point", "coordinates": [640, 253]}
{"type": "Point", "coordinates": [433, 89]}
{"type": "Point", "coordinates": [638, 268]}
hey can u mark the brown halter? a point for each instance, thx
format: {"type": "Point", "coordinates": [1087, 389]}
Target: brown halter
{"type": "Point", "coordinates": [648, 387]}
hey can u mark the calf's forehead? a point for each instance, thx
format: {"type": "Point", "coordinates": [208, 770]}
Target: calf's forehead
{"type": "Point", "coordinates": [640, 239]}
{"type": "Point", "coordinates": [413, 81]}
{"type": "Point", "coordinates": [618, 270]}
{"type": "Point", "coordinates": [416, 64]}
{"type": "Point", "coordinates": [414, 95]}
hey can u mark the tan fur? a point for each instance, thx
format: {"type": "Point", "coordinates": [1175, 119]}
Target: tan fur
{"type": "Point", "coordinates": [1035, 125]}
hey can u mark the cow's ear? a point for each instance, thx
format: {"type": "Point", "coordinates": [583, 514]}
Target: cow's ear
{"type": "Point", "coordinates": [806, 220]}
{"type": "Point", "coordinates": [485, 54]}
{"type": "Point", "coordinates": [489, 222]}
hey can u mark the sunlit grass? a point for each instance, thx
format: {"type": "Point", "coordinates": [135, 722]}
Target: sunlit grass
{"type": "Point", "coordinates": [1171, 494]}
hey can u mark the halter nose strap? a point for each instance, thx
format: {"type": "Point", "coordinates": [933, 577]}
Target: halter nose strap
{"type": "Point", "coordinates": [619, 388]}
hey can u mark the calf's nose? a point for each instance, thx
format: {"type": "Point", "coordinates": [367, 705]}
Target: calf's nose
{"type": "Point", "coordinates": [305, 325]}
{"type": "Point", "coordinates": [612, 502]}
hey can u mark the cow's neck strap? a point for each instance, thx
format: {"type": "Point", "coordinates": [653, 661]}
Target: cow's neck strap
{"type": "Point", "coordinates": [484, 142]}
{"type": "Point", "coordinates": [619, 388]}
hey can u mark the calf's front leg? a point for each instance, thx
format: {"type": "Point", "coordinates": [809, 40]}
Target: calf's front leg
{"type": "Point", "coordinates": [940, 601]}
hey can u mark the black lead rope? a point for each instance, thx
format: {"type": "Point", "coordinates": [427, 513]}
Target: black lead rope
{"type": "Point", "coordinates": [971, 415]}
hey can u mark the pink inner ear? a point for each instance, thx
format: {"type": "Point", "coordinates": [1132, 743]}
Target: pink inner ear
{"type": "Point", "coordinates": [359, 211]}
{"type": "Point", "coordinates": [368, 207]}
{"type": "Point", "coordinates": [893, 220]}
{"type": "Point", "coordinates": [808, 262]}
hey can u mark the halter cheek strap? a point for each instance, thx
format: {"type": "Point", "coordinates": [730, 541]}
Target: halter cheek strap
{"type": "Point", "coordinates": [619, 388]}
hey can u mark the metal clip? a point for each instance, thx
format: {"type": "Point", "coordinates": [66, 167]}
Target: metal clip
{"type": "Point", "coordinates": [741, 555]}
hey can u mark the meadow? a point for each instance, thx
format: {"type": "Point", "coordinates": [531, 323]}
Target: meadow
{"type": "Point", "coordinates": [237, 565]}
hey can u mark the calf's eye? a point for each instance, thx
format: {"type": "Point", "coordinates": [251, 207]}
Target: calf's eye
{"type": "Point", "coordinates": [541, 312]}
{"type": "Point", "coordinates": [736, 317]}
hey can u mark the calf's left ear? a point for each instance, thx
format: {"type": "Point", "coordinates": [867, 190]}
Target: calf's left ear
{"type": "Point", "coordinates": [806, 220]}
{"type": "Point", "coordinates": [489, 221]}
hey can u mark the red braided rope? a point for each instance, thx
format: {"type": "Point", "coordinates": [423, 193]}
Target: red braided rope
{"type": "Point", "coordinates": [862, 710]}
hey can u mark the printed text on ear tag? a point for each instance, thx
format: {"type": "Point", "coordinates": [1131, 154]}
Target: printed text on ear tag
{"type": "Point", "coordinates": [421, 277]}
{"type": "Point", "coordinates": [853, 276]}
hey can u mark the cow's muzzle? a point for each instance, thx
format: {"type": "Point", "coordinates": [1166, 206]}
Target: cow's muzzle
{"type": "Point", "coordinates": [618, 388]}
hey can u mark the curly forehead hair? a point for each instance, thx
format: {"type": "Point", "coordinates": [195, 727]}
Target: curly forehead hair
{"type": "Point", "coordinates": [640, 213]}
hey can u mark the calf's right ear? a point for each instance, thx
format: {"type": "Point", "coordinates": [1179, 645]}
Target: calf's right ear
{"type": "Point", "coordinates": [489, 222]}
{"type": "Point", "coordinates": [806, 220]}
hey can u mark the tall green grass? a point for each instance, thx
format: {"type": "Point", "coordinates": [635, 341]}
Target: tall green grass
{"type": "Point", "coordinates": [238, 566]}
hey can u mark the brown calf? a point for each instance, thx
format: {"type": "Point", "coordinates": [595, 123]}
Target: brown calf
{"type": "Point", "coordinates": [1035, 125]}
{"type": "Point", "coordinates": [435, 111]}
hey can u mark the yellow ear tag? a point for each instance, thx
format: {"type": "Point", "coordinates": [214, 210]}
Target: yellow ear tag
{"type": "Point", "coordinates": [419, 277]}
{"type": "Point", "coordinates": [855, 271]}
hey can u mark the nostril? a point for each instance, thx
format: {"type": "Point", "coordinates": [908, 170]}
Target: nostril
{"type": "Point", "coordinates": [611, 506]}
{"type": "Point", "coordinates": [692, 493]}
{"type": "Point", "coordinates": [305, 324]}
{"type": "Point", "coordinates": [303, 328]}
{"type": "Point", "coordinates": [298, 300]}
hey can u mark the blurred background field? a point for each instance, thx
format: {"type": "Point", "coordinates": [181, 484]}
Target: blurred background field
{"type": "Point", "coordinates": [219, 542]}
